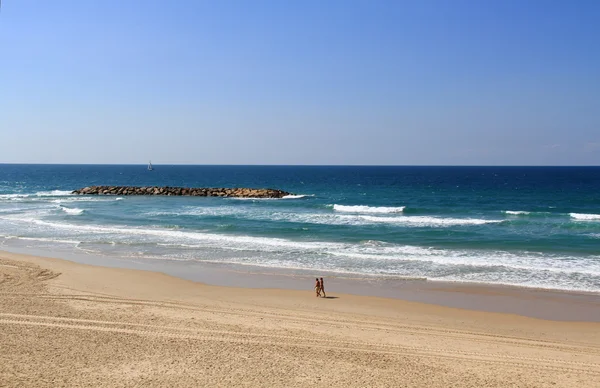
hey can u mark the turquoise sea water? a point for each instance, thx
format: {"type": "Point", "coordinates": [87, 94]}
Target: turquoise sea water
{"type": "Point", "coordinates": [528, 226]}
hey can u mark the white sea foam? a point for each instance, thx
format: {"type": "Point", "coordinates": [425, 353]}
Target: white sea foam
{"type": "Point", "coordinates": [585, 217]}
{"type": "Point", "coordinates": [481, 259]}
{"type": "Point", "coordinates": [13, 209]}
{"type": "Point", "coordinates": [30, 215]}
{"type": "Point", "coordinates": [82, 199]}
{"type": "Point", "coordinates": [201, 211]}
{"type": "Point", "coordinates": [53, 193]}
{"type": "Point", "coordinates": [291, 196]}
{"type": "Point", "coordinates": [369, 252]}
{"type": "Point", "coordinates": [427, 221]}
{"type": "Point", "coordinates": [14, 197]}
{"type": "Point", "coordinates": [172, 245]}
{"type": "Point", "coordinates": [368, 209]}
{"type": "Point", "coordinates": [52, 240]}
{"type": "Point", "coordinates": [39, 195]}
{"type": "Point", "coordinates": [434, 268]}
{"type": "Point", "coordinates": [166, 235]}
{"type": "Point", "coordinates": [516, 212]}
{"type": "Point", "coordinates": [74, 199]}
{"type": "Point", "coordinates": [322, 218]}
{"type": "Point", "coordinates": [366, 257]}
{"type": "Point", "coordinates": [11, 196]}
{"type": "Point", "coordinates": [72, 211]}
{"type": "Point", "coordinates": [514, 281]}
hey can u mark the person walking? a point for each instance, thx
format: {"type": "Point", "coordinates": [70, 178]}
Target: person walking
{"type": "Point", "coordinates": [317, 288]}
{"type": "Point", "coordinates": [322, 286]}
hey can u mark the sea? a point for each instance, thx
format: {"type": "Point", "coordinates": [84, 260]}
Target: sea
{"type": "Point", "coordinates": [524, 226]}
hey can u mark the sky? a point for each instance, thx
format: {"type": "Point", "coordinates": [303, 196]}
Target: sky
{"type": "Point", "coordinates": [351, 82]}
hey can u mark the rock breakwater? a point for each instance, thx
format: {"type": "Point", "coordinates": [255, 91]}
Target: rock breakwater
{"type": "Point", "coordinates": [182, 191]}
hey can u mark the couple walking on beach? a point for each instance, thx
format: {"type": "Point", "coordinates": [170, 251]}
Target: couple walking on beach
{"type": "Point", "coordinates": [320, 288]}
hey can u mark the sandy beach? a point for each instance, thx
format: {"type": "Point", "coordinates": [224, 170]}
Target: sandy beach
{"type": "Point", "coordinates": [69, 324]}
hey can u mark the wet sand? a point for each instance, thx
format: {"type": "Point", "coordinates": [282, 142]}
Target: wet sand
{"type": "Point", "coordinates": [530, 302]}
{"type": "Point", "coordinates": [70, 324]}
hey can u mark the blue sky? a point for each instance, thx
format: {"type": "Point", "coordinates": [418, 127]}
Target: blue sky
{"type": "Point", "coordinates": [450, 82]}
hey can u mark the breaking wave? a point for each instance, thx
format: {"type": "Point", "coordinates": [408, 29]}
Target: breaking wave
{"type": "Point", "coordinates": [423, 221]}
{"type": "Point", "coordinates": [529, 213]}
{"type": "Point", "coordinates": [53, 193]}
{"type": "Point", "coordinates": [585, 217]}
{"type": "Point", "coordinates": [72, 211]}
{"type": "Point", "coordinates": [368, 209]}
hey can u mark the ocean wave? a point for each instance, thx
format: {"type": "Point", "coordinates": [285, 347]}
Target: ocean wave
{"type": "Point", "coordinates": [367, 209]}
{"type": "Point", "coordinates": [516, 212]}
{"type": "Point", "coordinates": [314, 267]}
{"type": "Point", "coordinates": [399, 262]}
{"type": "Point", "coordinates": [322, 218]}
{"type": "Point", "coordinates": [364, 251]}
{"type": "Point", "coordinates": [53, 193]}
{"type": "Point", "coordinates": [366, 257]}
{"type": "Point", "coordinates": [13, 209]}
{"type": "Point", "coordinates": [585, 217]}
{"type": "Point", "coordinates": [49, 239]}
{"type": "Point", "coordinates": [172, 245]}
{"type": "Point", "coordinates": [317, 218]}
{"type": "Point", "coordinates": [183, 236]}
{"type": "Point", "coordinates": [82, 199]}
{"type": "Point", "coordinates": [374, 243]}
{"type": "Point", "coordinates": [545, 284]}
{"type": "Point", "coordinates": [13, 197]}
{"type": "Point", "coordinates": [72, 211]}
{"type": "Point", "coordinates": [345, 217]}
{"type": "Point", "coordinates": [29, 215]}
{"type": "Point", "coordinates": [470, 268]}
{"type": "Point", "coordinates": [366, 220]}
{"type": "Point", "coordinates": [528, 213]}
{"type": "Point", "coordinates": [291, 196]}
{"type": "Point", "coordinates": [426, 221]}
{"type": "Point", "coordinates": [200, 211]}
{"type": "Point", "coordinates": [9, 196]}
{"type": "Point", "coordinates": [38, 195]}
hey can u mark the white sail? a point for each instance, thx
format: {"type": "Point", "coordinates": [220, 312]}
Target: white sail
{"type": "Point", "coordinates": [150, 166]}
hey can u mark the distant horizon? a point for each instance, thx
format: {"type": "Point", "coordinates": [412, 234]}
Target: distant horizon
{"type": "Point", "coordinates": [291, 165]}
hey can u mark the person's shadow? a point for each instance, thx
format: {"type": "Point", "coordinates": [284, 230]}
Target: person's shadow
{"type": "Point", "coordinates": [331, 297]}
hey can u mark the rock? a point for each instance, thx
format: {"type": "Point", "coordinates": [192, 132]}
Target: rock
{"type": "Point", "coordinates": [239, 192]}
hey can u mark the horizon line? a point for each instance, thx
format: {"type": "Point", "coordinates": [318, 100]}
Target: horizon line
{"type": "Point", "coordinates": [301, 165]}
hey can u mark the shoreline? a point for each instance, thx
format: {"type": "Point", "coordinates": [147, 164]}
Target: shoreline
{"type": "Point", "coordinates": [64, 323]}
{"type": "Point", "coordinates": [547, 304]}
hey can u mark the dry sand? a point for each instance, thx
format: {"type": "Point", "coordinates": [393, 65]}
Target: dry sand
{"type": "Point", "coordinates": [69, 324]}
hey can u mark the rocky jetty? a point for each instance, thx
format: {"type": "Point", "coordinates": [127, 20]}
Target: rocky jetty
{"type": "Point", "coordinates": [197, 192]}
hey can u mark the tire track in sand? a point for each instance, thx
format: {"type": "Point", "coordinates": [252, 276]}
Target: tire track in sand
{"type": "Point", "coordinates": [364, 324]}
{"type": "Point", "coordinates": [297, 341]}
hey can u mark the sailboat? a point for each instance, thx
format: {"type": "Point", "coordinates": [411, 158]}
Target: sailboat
{"type": "Point", "coordinates": [150, 168]}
